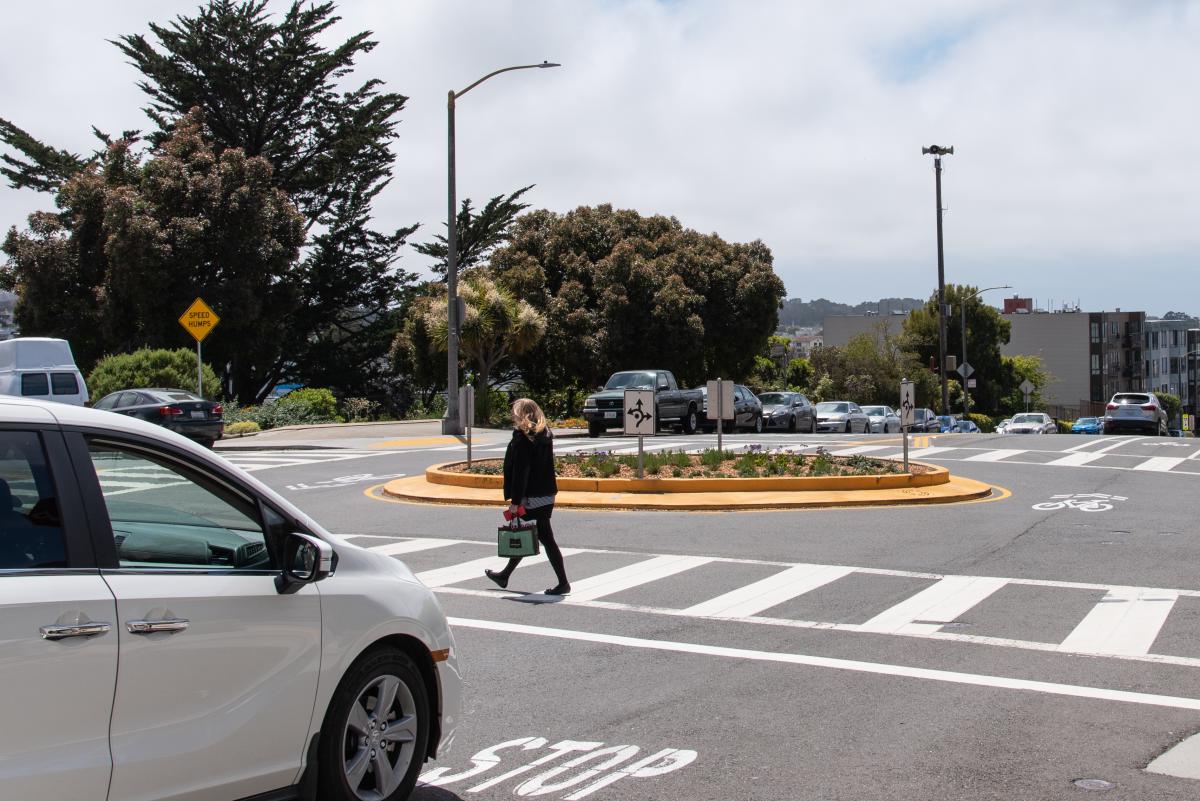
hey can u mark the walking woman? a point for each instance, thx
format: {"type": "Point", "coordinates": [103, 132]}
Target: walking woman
{"type": "Point", "coordinates": [529, 482]}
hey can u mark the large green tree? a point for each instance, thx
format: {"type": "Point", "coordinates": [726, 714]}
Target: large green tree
{"type": "Point", "coordinates": [987, 330]}
{"type": "Point", "coordinates": [272, 87]}
{"type": "Point", "coordinates": [621, 290]}
{"type": "Point", "coordinates": [136, 242]}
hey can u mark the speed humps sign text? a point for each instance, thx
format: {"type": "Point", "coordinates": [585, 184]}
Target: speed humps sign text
{"type": "Point", "coordinates": [199, 319]}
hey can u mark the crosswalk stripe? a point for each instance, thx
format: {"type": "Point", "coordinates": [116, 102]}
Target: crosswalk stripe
{"type": "Point", "coordinates": [442, 576]}
{"type": "Point", "coordinates": [1160, 464]}
{"type": "Point", "coordinates": [1126, 621]}
{"type": "Point", "coordinates": [771, 591]}
{"type": "Point", "coordinates": [923, 452]}
{"type": "Point", "coordinates": [1077, 459]}
{"type": "Point", "coordinates": [860, 449]}
{"type": "Point", "coordinates": [994, 456]}
{"type": "Point", "coordinates": [624, 578]}
{"type": "Point", "coordinates": [410, 546]}
{"type": "Point", "coordinates": [933, 607]}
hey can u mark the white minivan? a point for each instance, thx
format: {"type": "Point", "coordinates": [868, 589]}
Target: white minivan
{"type": "Point", "coordinates": [41, 368]}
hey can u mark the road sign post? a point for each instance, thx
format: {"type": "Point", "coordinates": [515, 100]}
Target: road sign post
{"type": "Point", "coordinates": [1027, 390]}
{"type": "Point", "coordinates": [466, 414]}
{"type": "Point", "coordinates": [908, 414]}
{"type": "Point", "coordinates": [966, 370]}
{"type": "Point", "coordinates": [640, 419]}
{"type": "Point", "coordinates": [722, 391]}
{"type": "Point", "coordinates": [199, 320]}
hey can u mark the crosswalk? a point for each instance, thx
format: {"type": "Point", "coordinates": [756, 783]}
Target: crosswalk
{"type": "Point", "coordinates": [1114, 453]}
{"type": "Point", "coordinates": [1098, 620]}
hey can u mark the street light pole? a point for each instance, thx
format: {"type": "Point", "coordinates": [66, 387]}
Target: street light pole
{"type": "Point", "coordinates": [962, 307]}
{"type": "Point", "coordinates": [937, 151]}
{"type": "Point", "coordinates": [450, 423]}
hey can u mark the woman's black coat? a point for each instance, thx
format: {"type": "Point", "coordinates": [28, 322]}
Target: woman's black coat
{"type": "Point", "coordinates": [529, 466]}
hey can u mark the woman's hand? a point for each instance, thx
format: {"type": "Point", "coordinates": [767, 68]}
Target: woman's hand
{"type": "Point", "coordinates": [512, 509]}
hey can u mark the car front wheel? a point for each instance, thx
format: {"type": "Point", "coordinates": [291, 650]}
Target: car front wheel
{"type": "Point", "coordinates": [374, 738]}
{"type": "Point", "coordinates": [691, 422]}
{"type": "Point", "coordinates": [595, 430]}
{"type": "Point", "coordinates": [758, 424]}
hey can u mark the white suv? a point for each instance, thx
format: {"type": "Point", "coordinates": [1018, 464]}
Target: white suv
{"type": "Point", "coordinates": [1136, 411]}
{"type": "Point", "coordinates": [170, 628]}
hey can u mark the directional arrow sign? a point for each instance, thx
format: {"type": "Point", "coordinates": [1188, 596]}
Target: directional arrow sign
{"type": "Point", "coordinates": [965, 369]}
{"type": "Point", "coordinates": [639, 412]}
{"type": "Point", "coordinates": [908, 406]}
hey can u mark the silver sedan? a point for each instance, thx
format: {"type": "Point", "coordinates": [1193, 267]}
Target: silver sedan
{"type": "Point", "coordinates": [883, 419]}
{"type": "Point", "coordinates": [841, 416]}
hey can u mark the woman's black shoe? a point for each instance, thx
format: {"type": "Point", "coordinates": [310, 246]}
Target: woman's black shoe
{"type": "Point", "coordinates": [500, 579]}
{"type": "Point", "coordinates": [561, 589]}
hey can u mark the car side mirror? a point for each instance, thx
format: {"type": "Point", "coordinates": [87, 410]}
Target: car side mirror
{"type": "Point", "coordinates": [306, 560]}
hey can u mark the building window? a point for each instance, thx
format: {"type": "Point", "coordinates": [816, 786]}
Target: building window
{"type": "Point", "coordinates": [1095, 332]}
{"type": "Point", "coordinates": [1095, 363]}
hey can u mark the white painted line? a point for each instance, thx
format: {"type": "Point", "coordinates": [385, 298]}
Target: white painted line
{"type": "Point", "coordinates": [920, 453]}
{"type": "Point", "coordinates": [1160, 464]}
{"type": "Point", "coordinates": [771, 591]}
{"type": "Point", "coordinates": [624, 578]}
{"type": "Point", "coordinates": [994, 456]}
{"type": "Point", "coordinates": [1090, 441]}
{"type": "Point", "coordinates": [1116, 445]}
{"type": "Point", "coordinates": [880, 669]}
{"type": "Point", "coordinates": [1182, 761]}
{"type": "Point", "coordinates": [1195, 455]}
{"type": "Point", "coordinates": [250, 467]}
{"type": "Point", "coordinates": [1077, 459]}
{"type": "Point", "coordinates": [934, 606]}
{"type": "Point", "coordinates": [410, 546]}
{"type": "Point", "coordinates": [860, 449]}
{"type": "Point", "coordinates": [1126, 621]}
{"type": "Point", "coordinates": [442, 576]}
{"type": "Point", "coordinates": [106, 483]}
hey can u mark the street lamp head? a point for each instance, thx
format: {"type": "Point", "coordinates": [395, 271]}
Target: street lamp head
{"type": "Point", "coordinates": [546, 64]}
{"type": "Point", "coordinates": [937, 150]}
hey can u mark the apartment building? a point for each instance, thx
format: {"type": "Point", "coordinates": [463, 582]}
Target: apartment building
{"type": "Point", "coordinates": [1166, 364]}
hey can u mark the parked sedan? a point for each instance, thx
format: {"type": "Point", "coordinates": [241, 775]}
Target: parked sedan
{"type": "Point", "coordinates": [1002, 426]}
{"type": "Point", "coordinates": [173, 628]}
{"type": "Point", "coordinates": [883, 419]}
{"type": "Point", "coordinates": [925, 421]}
{"type": "Point", "coordinates": [967, 427]}
{"type": "Point", "coordinates": [747, 411]}
{"type": "Point", "coordinates": [1088, 425]}
{"type": "Point", "coordinates": [947, 424]}
{"type": "Point", "coordinates": [1032, 423]}
{"type": "Point", "coordinates": [175, 409]}
{"type": "Point", "coordinates": [843, 416]}
{"type": "Point", "coordinates": [788, 410]}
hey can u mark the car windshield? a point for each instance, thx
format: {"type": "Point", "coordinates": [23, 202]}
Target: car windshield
{"type": "Point", "coordinates": [1027, 418]}
{"type": "Point", "coordinates": [775, 398]}
{"type": "Point", "coordinates": [833, 407]}
{"type": "Point", "coordinates": [874, 411]}
{"type": "Point", "coordinates": [1086, 421]}
{"type": "Point", "coordinates": [178, 394]}
{"type": "Point", "coordinates": [630, 381]}
{"type": "Point", "coordinates": [1134, 399]}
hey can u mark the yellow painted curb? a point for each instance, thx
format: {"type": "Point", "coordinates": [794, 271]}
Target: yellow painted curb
{"type": "Point", "coordinates": [437, 474]}
{"type": "Point", "coordinates": [955, 490]}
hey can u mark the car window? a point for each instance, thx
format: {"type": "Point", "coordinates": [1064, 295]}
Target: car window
{"type": "Point", "coordinates": [64, 384]}
{"type": "Point", "coordinates": [179, 394]}
{"type": "Point", "coordinates": [874, 411]}
{"type": "Point", "coordinates": [34, 384]}
{"type": "Point", "coordinates": [832, 407]}
{"type": "Point", "coordinates": [105, 403]}
{"type": "Point", "coordinates": [773, 398]}
{"type": "Point", "coordinates": [1127, 398]}
{"type": "Point", "coordinates": [166, 516]}
{"type": "Point", "coordinates": [31, 534]}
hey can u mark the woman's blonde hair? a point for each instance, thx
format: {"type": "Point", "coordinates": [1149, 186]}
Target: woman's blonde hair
{"type": "Point", "coordinates": [528, 417]}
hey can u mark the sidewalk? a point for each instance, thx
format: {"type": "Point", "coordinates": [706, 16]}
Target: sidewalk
{"type": "Point", "coordinates": [395, 434]}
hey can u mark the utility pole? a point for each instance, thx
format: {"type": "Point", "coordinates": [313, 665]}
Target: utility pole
{"type": "Point", "coordinates": [937, 151]}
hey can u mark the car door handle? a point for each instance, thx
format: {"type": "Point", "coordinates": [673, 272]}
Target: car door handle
{"type": "Point", "coordinates": [76, 630]}
{"type": "Point", "coordinates": [169, 624]}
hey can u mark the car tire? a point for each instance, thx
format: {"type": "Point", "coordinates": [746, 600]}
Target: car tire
{"type": "Point", "coordinates": [812, 424]}
{"type": "Point", "coordinates": [691, 421]}
{"type": "Point", "coordinates": [595, 430]}
{"type": "Point", "coordinates": [792, 424]}
{"type": "Point", "coordinates": [356, 744]}
{"type": "Point", "coordinates": [849, 427]}
{"type": "Point", "coordinates": [758, 424]}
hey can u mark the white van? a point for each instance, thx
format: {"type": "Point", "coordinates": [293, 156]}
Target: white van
{"type": "Point", "coordinates": [42, 368]}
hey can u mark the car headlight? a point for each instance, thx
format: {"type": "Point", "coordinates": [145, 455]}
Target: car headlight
{"type": "Point", "coordinates": [589, 403]}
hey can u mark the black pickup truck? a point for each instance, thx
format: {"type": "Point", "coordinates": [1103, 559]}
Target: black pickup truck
{"type": "Point", "coordinates": [603, 409]}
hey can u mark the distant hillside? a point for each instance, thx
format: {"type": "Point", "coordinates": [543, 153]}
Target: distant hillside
{"type": "Point", "coordinates": [810, 313]}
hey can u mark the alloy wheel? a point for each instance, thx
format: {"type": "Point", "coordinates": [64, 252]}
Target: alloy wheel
{"type": "Point", "coordinates": [378, 739]}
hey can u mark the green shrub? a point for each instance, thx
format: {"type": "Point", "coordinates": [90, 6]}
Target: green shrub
{"type": "Point", "coordinates": [242, 427]}
{"type": "Point", "coordinates": [298, 407]}
{"type": "Point", "coordinates": [358, 410]}
{"type": "Point", "coordinates": [712, 458]}
{"type": "Point", "coordinates": [434, 410]}
{"type": "Point", "coordinates": [986, 423]}
{"type": "Point", "coordinates": [150, 368]}
{"type": "Point", "coordinates": [1064, 426]}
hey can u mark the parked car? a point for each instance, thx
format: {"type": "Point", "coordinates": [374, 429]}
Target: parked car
{"type": "Point", "coordinates": [1088, 425]}
{"type": "Point", "coordinates": [605, 409]}
{"type": "Point", "coordinates": [176, 409]}
{"type": "Point", "coordinates": [883, 419]}
{"type": "Point", "coordinates": [1032, 423]}
{"type": "Point", "coordinates": [947, 424]}
{"type": "Point", "coordinates": [163, 605]}
{"type": "Point", "coordinates": [788, 410]}
{"type": "Point", "coordinates": [747, 411]}
{"type": "Point", "coordinates": [1177, 432]}
{"type": "Point", "coordinates": [1002, 426]}
{"type": "Point", "coordinates": [1135, 411]}
{"type": "Point", "coordinates": [925, 421]}
{"type": "Point", "coordinates": [41, 368]}
{"type": "Point", "coordinates": [843, 416]}
{"type": "Point", "coordinates": [967, 427]}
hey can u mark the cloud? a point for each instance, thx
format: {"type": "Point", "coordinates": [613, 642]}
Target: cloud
{"type": "Point", "coordinates": [797, 123]}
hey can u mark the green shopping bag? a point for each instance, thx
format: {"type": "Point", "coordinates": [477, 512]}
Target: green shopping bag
{"type": "Point", "coordinates": [517, 538]}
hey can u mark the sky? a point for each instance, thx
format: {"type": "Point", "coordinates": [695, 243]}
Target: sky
{"type": "Point", "coordinates": [800, 123]}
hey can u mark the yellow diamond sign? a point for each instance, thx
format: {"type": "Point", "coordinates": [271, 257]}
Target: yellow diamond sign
{"type": "Point", "coordinates": [199, 319]}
